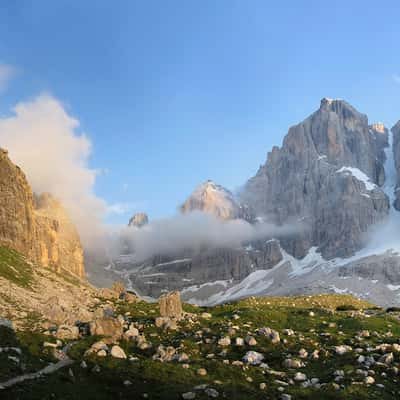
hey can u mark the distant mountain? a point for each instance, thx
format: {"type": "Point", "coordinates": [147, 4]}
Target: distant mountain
{"type": "Point", "coordinates": [337, 178]}
{"type": "Point", "coordinates": [216, 200]}
{"type": "Point", "coordinates": [138, 220]}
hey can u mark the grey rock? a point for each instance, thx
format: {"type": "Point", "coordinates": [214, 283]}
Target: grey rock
{"type": "Point", "coordinates": [396, 154]}
{"type": "Point", "coordinates": [253, 358]}
{"type": "Point", "coordinates": [300, 181]}
{"type": "Point", "coordinates": [188, 395]}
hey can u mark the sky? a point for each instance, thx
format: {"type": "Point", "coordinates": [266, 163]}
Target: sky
{"type": "Point", "coordinates": [171, 93]}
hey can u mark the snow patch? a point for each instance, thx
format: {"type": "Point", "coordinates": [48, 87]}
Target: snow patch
{"type": "Point", "coordinates": [393, 287]}
{"type": "Point", "coordinates": [359, 175]}
{"type": "Point", "coordinates": [182, 260]}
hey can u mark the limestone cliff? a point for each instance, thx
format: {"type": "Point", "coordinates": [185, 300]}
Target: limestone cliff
{"type": "Point", "coordinates": [327, 174]}
{"type": "Point", "coordinates": [58, 241]}
{"type": "Point", "coordinates": [36, 226]}
{"type": "Point", "coordinates": [17, 221]}
{"type": "Point", "coordinates": [396, 154]}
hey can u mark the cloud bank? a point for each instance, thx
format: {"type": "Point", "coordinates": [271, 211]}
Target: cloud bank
{"type": "Point", "coordinates": [195, 231]}
{"type": "Point", "coordinates": [44, 141]}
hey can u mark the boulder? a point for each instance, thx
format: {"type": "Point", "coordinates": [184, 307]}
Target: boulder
{"type": "Point", "coordinates": [171, 305]}
{"type": "Point", "coordinates": [165, 354]}
{"type": "Point", "coordinates": [106, 326]}
{"type": "Point", "coordinates": [253, 358]}
{"type": "Point", "coordinates": [67, 332]}
{"type": "Point", "coordinates": [131, 333]}
{"type": "Point", "coordinates": [117, 352]}
{"type": "Point", "coordinates": [166, 323]}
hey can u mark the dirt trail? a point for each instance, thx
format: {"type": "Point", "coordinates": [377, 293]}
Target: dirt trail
{"type": "Point", "coordinates": [35, 375]}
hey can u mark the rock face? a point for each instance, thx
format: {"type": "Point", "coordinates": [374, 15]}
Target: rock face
{"type": "Point", "coordinates": [139, 220]}
{"type": "Point", "coordinates": [180, 270]}
{"type": "Point", "coordinates": [58, 240]}
{"type": "Point", "coordinates": [36, 226]}
{"type": "Point", "coordinates": [17, 221]}
{"type": "Point", "coordinates": [326, 175]}
{"type": "Point", "coordinates": [396, 154]}
{"type": "Point", "coordinates": [216, 200]}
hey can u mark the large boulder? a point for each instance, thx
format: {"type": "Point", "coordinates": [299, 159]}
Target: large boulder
{"type": "Point", "coordinates": [108, 327]}
{"type": "Point", "coordinates": [171, 305]}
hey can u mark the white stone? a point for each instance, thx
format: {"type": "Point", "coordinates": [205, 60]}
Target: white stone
{"type": "Point", "coordinates": [117, 352]}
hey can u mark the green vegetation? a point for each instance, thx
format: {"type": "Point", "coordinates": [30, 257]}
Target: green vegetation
{"type": "Point", "coordinates": [15, 268]}
{"type": "Point", "coordinates": [316, 323]}
{"type": "Point", "coordinates": [27, 347]}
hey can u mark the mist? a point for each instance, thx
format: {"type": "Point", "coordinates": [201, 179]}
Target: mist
{"type": "Point", "coordinates": [195, 231]}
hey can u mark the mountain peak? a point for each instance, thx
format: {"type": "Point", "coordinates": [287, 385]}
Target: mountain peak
{"type": "Point", "coordinates": [379, 127]}
{"type": "Point", "coordinates": [337, 106]}
{"type": "Point", "coordinates": [138, 220]}
{"type": "Point", "coordinates": [214, 199]}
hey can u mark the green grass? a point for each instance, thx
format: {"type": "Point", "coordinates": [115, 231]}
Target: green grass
{"type": "Point", "coordinates": [15, 269]}
{"type": "Point", "coordinates": [169, 380]}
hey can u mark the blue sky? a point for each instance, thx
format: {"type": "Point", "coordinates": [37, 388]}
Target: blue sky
{"type": "Point", "coordinates": [172, 93]}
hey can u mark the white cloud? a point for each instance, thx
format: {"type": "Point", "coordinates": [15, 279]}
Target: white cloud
{"type": "Point", "coordinates": [43, 139]}
{"type": "Point", "coordinates": [7, 72]}
{"type": "Point", "coordinates": [396, 78]}
{"type": "Point", "coordinates": [196, 231]}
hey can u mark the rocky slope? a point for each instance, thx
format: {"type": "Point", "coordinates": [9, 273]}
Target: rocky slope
{"type": "Point", "coordinates": [36, 225]}
{"type": "Point", "coordinates": [311, 347]}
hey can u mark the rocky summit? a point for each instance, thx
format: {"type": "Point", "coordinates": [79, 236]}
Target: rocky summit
{"type": "Point", "coordinates": [138, 220]}
{"type": "Point", "coordinates": [216, 200]}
